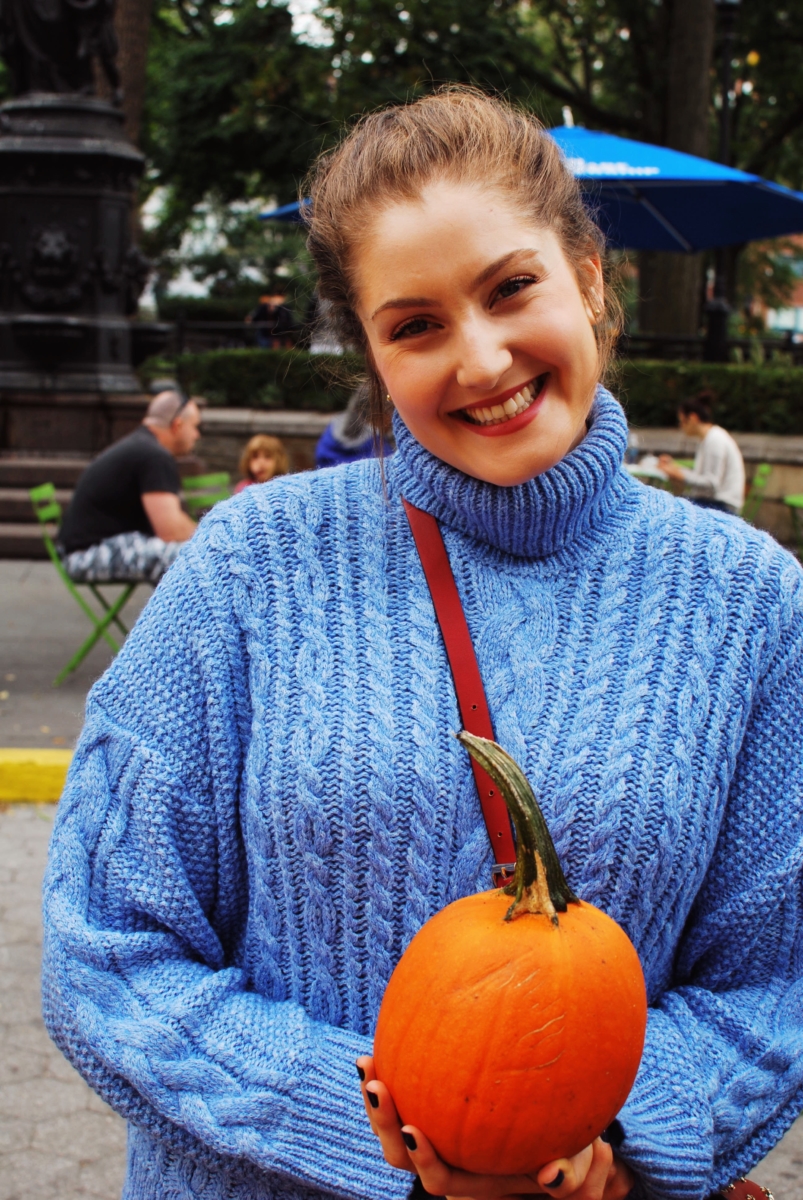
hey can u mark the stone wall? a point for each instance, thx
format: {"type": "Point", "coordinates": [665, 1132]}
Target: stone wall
{"type": "Point", "coordinates": [225, 432]}
{"type": "Point", "coordinates": [75, 422]}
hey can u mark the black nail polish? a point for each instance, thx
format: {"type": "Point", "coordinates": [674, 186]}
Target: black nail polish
{"type": "Point", "coordinates": [373, 1099]}
{"type": "Point", "coordinates": [361, 1073]}
{"type": "Point", "coordinates": [409, 1141]}
{"type": "Point", "coordinates": [614, 1135]}
{"type": "Point", "coordinates": [557, 1181]}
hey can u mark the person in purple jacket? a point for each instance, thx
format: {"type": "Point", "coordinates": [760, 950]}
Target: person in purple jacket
{"type": "Point", "coordinates": [350, 436]}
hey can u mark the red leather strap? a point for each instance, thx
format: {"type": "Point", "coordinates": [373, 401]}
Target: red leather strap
{"type": "Point", "coordinates": [744, 1189]}
{"type": "Point", "coordinates": [467, 679]}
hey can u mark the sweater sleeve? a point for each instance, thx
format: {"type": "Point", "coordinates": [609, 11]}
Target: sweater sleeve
{"type": "Point", "coordinates": [709, 467]}
{"type": "Point", "coordinates": [145, 901]}
{"type": "Point", "coordinates": [721, 1078]}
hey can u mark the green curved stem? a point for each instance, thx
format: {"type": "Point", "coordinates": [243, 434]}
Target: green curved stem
{"type": "Point", "coordinates": [539, 885]}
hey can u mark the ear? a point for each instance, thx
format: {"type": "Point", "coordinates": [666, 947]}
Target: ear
{"type": "Point", "coordinates": [592, 286]}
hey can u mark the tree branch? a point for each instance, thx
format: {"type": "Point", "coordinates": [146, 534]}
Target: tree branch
{"type": "Point", "coordinates": [615, 121]}
{"type": "Point", "coordinates": [760, 160]}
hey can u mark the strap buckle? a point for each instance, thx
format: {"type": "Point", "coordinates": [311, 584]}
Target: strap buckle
{"type": "Point", "coordinates": [502, 873]}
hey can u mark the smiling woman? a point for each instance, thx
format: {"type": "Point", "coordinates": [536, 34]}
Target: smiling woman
{"type": "Point", "coordinates": [267, 802]}
{"type": "Point", "coordinates": [502, 344]}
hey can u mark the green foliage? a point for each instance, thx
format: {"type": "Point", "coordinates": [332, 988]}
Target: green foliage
{"type": "Point", "coordinates": [291, 379]}
{"type": "Point", "coordinates": [768, 112]}
{"type": "Point", "coordinates": [767, 273]}
{"type": "Point", "coordinates": [750, 399]}
{"type": "Point", "coordinates": [237, 257]}
{"type": "Point", "coordinates": [386, 50]}
{"type": "Point", "coordinates": [608, 60]}
{"type": "Point", "coordinates": [238, 106]}
{"type": "Point", "coordinates": [233, 105]}
{"type": "Point", "coordinates": [207, 308]}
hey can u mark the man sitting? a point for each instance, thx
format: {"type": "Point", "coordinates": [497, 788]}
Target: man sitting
{"type": "Point", "coordinates": [125, 520]}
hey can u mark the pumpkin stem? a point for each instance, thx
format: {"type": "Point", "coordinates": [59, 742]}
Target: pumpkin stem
{"type": "Point", "coordinates": [539, 885]}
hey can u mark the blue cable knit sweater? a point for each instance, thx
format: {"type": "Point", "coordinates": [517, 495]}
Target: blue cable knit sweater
{"type": "Point", "coordinates": [267, 803]}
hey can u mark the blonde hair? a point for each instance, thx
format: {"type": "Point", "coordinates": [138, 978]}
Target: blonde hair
{"type": "Point", "coordinates": [459, 134]}
{"type": "Point", "coordinates": [270, 445]}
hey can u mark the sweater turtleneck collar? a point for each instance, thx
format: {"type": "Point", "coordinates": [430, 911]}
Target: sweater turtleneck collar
{"type": "Point", "coordinates": [575, 499]}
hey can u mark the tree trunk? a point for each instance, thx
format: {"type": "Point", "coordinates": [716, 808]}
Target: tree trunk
{"type": "Point", "coordinates": [669, 296]}
{"type": "Point", "coordinates": [132, 22]}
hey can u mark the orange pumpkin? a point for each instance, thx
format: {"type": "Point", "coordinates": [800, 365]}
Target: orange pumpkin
{"type": "Point", "coordinates": [510, 1034]}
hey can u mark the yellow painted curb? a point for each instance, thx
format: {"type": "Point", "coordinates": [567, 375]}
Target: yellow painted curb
{"type": "Point", "coordinates": [32, 776]}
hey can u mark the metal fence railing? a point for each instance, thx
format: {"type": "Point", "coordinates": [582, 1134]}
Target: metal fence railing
{"type": "Point", "coordinates": [195, 337]}
{"type": "Point", "coordinates": [669, 346]}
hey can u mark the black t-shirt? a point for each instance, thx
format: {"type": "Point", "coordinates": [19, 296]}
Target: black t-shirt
{"type": "Point", "coordinates": [107, 499]}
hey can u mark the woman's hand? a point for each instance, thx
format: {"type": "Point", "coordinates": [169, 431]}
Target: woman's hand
{"type": "Point", "coordinates": [667, 464]}
{"type": "Point", "coordinates": [593, 1174]}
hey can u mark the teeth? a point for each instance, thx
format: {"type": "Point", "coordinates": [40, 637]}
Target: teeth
{"type": "Point", "coordinates": [497, 414]}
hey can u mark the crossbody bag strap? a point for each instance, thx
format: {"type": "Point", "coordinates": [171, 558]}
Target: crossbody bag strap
{"type": "Point", "coordinates": [467, 679]}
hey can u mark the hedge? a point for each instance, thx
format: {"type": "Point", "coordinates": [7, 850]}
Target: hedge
{"type": "Point", "coordinates": [292, 379]}
{"type": "Point", "coordinates": [207, 308]}
{"type": "Point", "coordinates": [750, 399]}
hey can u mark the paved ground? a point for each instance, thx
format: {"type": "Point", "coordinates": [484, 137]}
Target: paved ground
{"type": "Point", "coordinates": [41, 627]}
{"type": "Point", "coordinates": [58, 1141]}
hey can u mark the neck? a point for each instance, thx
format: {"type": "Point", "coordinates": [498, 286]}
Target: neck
{"type": "Point", "coordinates": [163, 436]}
{"type": "Point", "coordinates": [563, 508]}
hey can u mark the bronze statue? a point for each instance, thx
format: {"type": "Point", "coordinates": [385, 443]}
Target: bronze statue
{"type": "Point", "coordinates": [50, 45]}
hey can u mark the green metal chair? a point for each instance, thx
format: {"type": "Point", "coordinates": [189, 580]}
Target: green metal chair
{"type": "Point", "coordinates": [795, 506]}
{"type": "Point", "coordinates": [758, 486]}
{"type": "Point", "coordinates": [48, 512]}
{"type": "Point", "coordinates": [202, 492]}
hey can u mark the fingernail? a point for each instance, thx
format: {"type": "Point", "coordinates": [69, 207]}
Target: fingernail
{"type": "Point", "coordinates": [557, 1181]}
{"type": "Point", "coordinates": [373, 1099]}
{"type": "Point", "coordinates": [409, 1141]}
{"type": "Point", "coordinates": [360, 1072]}
{"type": "Point", "coordinates": [614, 1135]}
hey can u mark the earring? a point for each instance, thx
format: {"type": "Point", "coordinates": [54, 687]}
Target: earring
{"type": "Point", "coordinates": [387, 398]}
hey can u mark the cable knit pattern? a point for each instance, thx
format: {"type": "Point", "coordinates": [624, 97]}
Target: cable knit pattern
{"type": "Point", "coordinates": [267, 802]}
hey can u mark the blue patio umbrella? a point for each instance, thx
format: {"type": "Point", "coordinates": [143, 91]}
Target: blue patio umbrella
{"type": "Point", "coordinates": [286, 212]}
{"type": "Point", "coordinates": [650, 198]}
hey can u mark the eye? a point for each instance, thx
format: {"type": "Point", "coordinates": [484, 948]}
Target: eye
{"type": "Point", "coordinates": [410, 328]}
{"type": "Point", "coordinates": [512, 287]}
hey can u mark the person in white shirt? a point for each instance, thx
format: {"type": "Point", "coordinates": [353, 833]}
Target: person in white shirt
{"type": "Point", "coordinates": [717, 477]}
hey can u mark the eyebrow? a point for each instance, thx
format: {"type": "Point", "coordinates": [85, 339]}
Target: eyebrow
{"type": "Point", "coordinates": [483, 277]}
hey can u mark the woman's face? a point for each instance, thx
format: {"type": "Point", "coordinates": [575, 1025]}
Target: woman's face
{"type": "Point", "coordinates": [262, 466]}
{"type": "Point", "coordinates": [479, 330]}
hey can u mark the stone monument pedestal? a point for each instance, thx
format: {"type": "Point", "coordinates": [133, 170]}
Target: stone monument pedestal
{"type": "Point", "coordinates": [70, 275]}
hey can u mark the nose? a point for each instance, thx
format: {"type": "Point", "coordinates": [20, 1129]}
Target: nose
{"type": "Point", "coordinates": [484, 358]}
